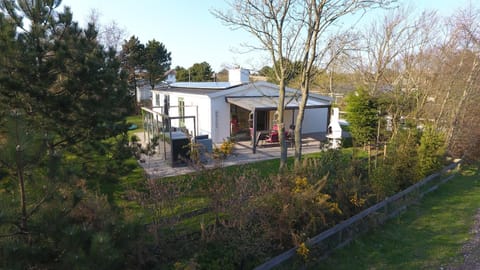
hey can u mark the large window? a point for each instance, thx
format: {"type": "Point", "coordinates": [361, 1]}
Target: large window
{"type": "Point", "coordinates": [166, 105]}
{"type": "Point", "coordinates": [181, 111]}
{"type": "Point", "coordinates": [157, 100]}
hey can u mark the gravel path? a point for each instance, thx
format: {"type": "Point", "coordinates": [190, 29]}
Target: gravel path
{"type": "Point", "coordinates": [471, 249]}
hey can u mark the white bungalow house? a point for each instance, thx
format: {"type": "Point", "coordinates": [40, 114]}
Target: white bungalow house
{"type": "Point", "coordinates": [223, 109]}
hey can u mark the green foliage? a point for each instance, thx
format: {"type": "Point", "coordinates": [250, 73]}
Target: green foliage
{"type": "Point", "coordinates": [157, 61]}
{"type": "Point", "coordinates": [60, 76]}
{"type": "Point", "coordinates": [430, 152]}
{"type": "Point", "coordinates": [181, 74]}
{"type": "Point", "coordinates": [255, 216]}
{"type": "Point", "coordinates": [65, 222]}
{"type": "Point", "coordinates": [430, 235]}
{"type": "Point", "coordinates": [63, 101]}
{"type": "Point", "coordinates": [410, 157]}
{"type": "Point", "coordinates": [132, 58]}
{"type": "Point", "coordinates": [347, 179]}
{"type": "Point", "coordinates": [384, 182]}
{"type": "Point", "coordinates": [152, 57]}
{"type": "Point", "coordinates": [199, 72]}
{"type": "Point", "coordinates": [292, 71]}
{"type": "Point", "coordinates": [362, 116]}
{"type": "Point", "coordinates": [347, 142]}
{"type": "Point", "coordinates": [401, 157]}
{"type": "Point", "coordinates": [295, 209]}
{"type": "Point", "coordinates": [266, 71]}
{"type": "Point", "coordinates": [79, 230]}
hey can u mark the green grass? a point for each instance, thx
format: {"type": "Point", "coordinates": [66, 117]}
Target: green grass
{"type": "Point", "coordinates": [137, 120]}
{"type": "Point", "coordinates": [428, 236]}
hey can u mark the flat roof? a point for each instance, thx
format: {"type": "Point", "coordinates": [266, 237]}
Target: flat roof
{"type": "Point", "coordinates": [270, 103]}
{"type": "Point", "coordinates": [198, 88]}
{"type": "Point", "coordinates": [205, 85]}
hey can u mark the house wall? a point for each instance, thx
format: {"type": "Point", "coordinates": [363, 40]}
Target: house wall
{"type": "Point", "coordinates": [195, 105]}
{"type": "Point", "coordinates": [143, 93]}
{"type": "Point", "coordinates": [220, 119]}
{"type": "Point", "coordinates": [290, 117]}
{"type": "Point", "coordinates": [315, 120]}
{"type": "Point", "coordinates": [213, 112]}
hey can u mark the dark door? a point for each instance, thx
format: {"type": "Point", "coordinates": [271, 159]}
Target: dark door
{"type": "Point", "coordinates": [262, 120]}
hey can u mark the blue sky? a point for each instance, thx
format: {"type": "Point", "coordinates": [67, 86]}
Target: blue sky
{"type": "Point", "coordinates": [192, 34]}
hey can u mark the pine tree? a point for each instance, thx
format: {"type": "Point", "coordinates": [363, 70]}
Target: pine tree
{"type": "Point", "coordinates": [132, 57]}
{"type": "Point", "coordinates": [62, 77]}
{"type": "Point", "coordinates": [157, 61]}
{"type": "Point", "coordinates": [362, 116]}
{"type": "Point", "coordinates": [430, 151]}
{"type": "Point", "coordinates": [61, 94]}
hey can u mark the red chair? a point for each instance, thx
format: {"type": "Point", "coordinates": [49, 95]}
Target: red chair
{"type": "Point", "coordinates": [272, 137]}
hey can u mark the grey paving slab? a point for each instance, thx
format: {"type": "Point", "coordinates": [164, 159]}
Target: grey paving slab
{"type": "Point", "coordinates": [159, 165]}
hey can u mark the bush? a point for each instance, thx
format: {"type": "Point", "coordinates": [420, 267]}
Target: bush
{"type": "Point", "coordinates": [225, 150]}
{"type": "Point", "coordinates": [362, 115]}
{"type": "Point", "coordinates": [347, 142]}
{"type": "Point", "coordinates": [383, 181]}
{"type": "Point", "coordinates": [430, 151]}
{"type": "Point", "coordinates": [402, 157]}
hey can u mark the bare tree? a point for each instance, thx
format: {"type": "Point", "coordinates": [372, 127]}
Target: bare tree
{"type": "Point", "coordinates": [272, 23]}
{"type": "Point", "coordinates": [320, 18]}
{"type": "Point", "coordinates": [391, 57]}
{"type": "Point", "coordinates": [434, 62]}
{"type": "Point", "coordinates": [386, 42]}
{"type": "Point", "coordinates": [110, 35]}
{"type": "Point", "coordinates": [291, 30]}
{"type": "Point", "coordinates": [461, 98]}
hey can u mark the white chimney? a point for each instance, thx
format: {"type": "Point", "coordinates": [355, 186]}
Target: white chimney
{"type": "Point", "coordinates": [334, 132]}
{"type": "Point", "coordinates": [238, 76]}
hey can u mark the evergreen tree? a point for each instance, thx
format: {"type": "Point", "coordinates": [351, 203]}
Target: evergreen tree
{"type": "Point", "coordinates": [430, 151]}
{"type": "Point", "coordinates": [201, 72]}
{"type": "Point", "coordinates": [362, 116]}
{"type": "Point", "coordinates": [61, 76]}
{"type": "Point", "coordinates": [181, 74]}
{"type": "Point", "coordinates": [61, 94]}
{"type": "Point", "coordinates": [132, 57]}
{"type": "Point", "coordinates": [157, 61]}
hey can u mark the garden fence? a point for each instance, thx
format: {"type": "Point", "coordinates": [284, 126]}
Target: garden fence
{"type": "Point", "coordinates": [377, 214]}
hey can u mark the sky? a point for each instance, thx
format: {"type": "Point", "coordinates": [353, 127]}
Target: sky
{"type": "Point", "coordinates": [192, 34]}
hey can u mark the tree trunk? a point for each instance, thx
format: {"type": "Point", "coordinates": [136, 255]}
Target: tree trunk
{"type": "Point", "coordinates": [281, 125]}
{"type": "Point", "coordinates": [23, 200]}
{"type": "Point", "coordinates": [298, 128]}
{"type": "Point", "coordinates": [461, 103]}
{"type": "Point", "coordinates": [21, 180]}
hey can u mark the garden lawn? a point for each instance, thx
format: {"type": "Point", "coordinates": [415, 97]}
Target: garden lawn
{"type": "Point", "coordinates": [430, 235]}
{"type": "Point", "coordinates": [135, 120]}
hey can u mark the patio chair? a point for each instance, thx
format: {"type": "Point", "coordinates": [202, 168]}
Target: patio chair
{"type": "Point", "coordinates": [272, 137]}
{"type": "Point", "coordinates": [260, 136]}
